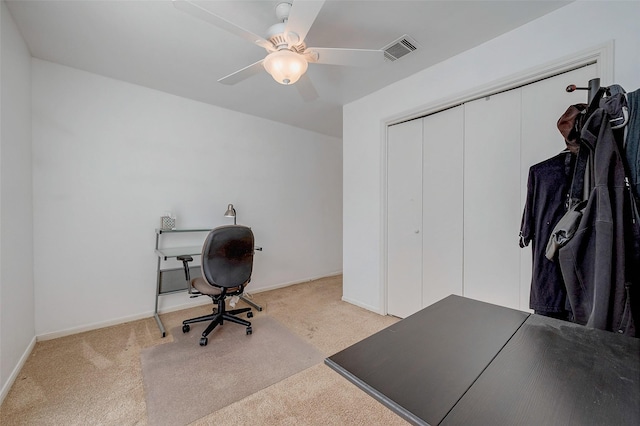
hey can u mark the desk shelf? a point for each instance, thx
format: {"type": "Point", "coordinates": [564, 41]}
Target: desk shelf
{"type": "Point", "coordinates": [168, 253]}
{"type": "Point", "coordinates": [177, 230]}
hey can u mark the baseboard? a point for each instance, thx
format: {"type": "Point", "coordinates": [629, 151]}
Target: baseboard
{"type": "Point", "coordinates": [375, 309]}
{"type": "Point", "coordinates": [290, 283]}
{"type": "Point", "coordinates": [16, 370]}
{"type": "Point", "coordinates": [143, 315]}
{"type": "Point", "coordinates": [92, 326]}
{"type": "Point", "coordinates": [191, 304]}
{"type": "Point", "coordinates": [116, 321]}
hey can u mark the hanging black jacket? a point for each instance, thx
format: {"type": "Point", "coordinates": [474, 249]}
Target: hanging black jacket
{"type": "Point", "coordinates": [593, 261]}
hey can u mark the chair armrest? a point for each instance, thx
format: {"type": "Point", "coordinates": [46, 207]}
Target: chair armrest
{"type": "Point", "coordinates": [185, 259]}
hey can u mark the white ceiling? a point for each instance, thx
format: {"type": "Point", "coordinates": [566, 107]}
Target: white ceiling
{"type": "Point", "coordinates": [153, 44]}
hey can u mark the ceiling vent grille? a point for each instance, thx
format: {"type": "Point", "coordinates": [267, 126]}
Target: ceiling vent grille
{"type": "Point", "coordinates": [399, 48]}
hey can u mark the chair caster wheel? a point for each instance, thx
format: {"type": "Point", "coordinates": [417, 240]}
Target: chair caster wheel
{"type": "Point", "coordinates": [203, 341]}
{"type": "Point", "coordinates": [186, 328]}
{"type": "Point", "coordinates": [249, 331]}
{"type": "Point", "coordinates": [249, 314]}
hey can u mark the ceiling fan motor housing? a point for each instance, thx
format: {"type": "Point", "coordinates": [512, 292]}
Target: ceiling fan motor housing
{"type": "Point", "coordinates": [278, 36]}
{"type": "Point", "coordinates": [275, 34]}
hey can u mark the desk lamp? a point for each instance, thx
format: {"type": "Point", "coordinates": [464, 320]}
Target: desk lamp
{"type": "Point", "coordinates": [231, 212]}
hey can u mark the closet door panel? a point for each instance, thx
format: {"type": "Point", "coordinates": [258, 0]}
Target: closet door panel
{"type": "Point", "coordinates": [404, 219]}
{"type": "Point", "coordinates": [492, 208]}
{"type": "Point", "coordinates": [543, 103]}
{"type": "Point", "coordinates": [442, 204]}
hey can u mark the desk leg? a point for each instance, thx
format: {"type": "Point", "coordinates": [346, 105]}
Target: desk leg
{"type": "Point", "coordinates": [160, 326]}
{"type": "Point", "coordinates": [251, 303]}
{"type": "Point", "coordinates": [155, 312]}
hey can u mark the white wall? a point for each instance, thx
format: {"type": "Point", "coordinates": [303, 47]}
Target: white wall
{"type": "Point", "coordinates": [111, 157]}
{"type": "Point", "coordinates": [571, 29]}
{"type": "Point", "coordinates": [17, 330]}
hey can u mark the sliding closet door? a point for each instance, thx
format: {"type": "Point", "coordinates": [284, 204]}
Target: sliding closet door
{"type": "Point", "coordinates": [492, 208]}
{"type": "Point", "coordinates": [456, 191]}
{"type": "Point", "coordinates": [442, 204]}
{"type": "Point", "coordinates": [543, 103]}
{"type": "Point", "coordinates": [404, 219]}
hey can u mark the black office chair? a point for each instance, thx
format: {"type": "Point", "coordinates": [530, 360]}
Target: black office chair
{"type": "Point", "coordinates": [227, 263]}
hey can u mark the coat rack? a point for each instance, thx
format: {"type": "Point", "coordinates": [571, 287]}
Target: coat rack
{"type": "Point", "coordinates": [594, 85]}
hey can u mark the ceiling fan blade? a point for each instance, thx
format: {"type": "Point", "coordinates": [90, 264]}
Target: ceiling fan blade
{"type": "Point", "coordinates": [243, 74]}
{"type": "Point", "coordinates": [306, 89]}
{"type": "Point", "coordinates": [206, 15]}
{"type": "Point", "coordinates": [350, 57]}
{"type": "Point", "coordinates": [302, 15]}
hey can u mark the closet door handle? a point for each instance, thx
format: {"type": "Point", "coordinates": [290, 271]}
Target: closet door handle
{"type": "Point", "coordinates": [417, 231]}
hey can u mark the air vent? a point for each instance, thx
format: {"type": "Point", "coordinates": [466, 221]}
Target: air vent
{"type": "Point", "coordinates": [399, 48]}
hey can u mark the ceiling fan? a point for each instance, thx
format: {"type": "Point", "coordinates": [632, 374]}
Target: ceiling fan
{"type": "Point", "coordinates": [287, 56]}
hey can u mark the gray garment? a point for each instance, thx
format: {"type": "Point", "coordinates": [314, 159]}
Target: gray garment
{"type": "Point", "coordinates": [593, 261]}
{"type": "Point", "coordinates": [614, 89]}
{"type": "Point", "coordinates": [632, 152]}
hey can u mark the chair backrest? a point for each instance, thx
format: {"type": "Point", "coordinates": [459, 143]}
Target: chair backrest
{"type": "Point", "coordinates": [227, 256]}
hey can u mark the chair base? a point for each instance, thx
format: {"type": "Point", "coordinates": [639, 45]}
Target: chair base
{"type": "Point", "coordinates": [218, 318]}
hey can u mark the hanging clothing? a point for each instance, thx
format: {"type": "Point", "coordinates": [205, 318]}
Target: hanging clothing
{"type": "Point", "coordinates": [632, 154]}
{"type": "Point", "coordinates": [547, 187]}
{"type": "Point", "coordinates": [593, 261]}
{"type": "Point", "coordinates": [632, 141]}
{"type": "Point", "coordinates": [570, 125]}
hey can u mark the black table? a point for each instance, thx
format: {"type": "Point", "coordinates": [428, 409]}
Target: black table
{"type": "Point", "coordinates": [465, 362]}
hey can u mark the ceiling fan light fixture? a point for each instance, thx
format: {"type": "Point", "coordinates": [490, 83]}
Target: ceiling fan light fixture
{"type": "Point", "coordinates": [285, 66]}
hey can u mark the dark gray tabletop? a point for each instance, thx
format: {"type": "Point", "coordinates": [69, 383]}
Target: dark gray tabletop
{"type": "Point", "coordinates": [465, 362]}
{"type": "Point", "coordinates": [422, 365]}
{"type": "Point", "coordinates": [553, 372]}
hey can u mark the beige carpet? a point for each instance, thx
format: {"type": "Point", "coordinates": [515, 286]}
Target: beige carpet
{"type": "Point", "coordinates": [95, 378]}
{"type": "Point", "coordinates": [184, 381]}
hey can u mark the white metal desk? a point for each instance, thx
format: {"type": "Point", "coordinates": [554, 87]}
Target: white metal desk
{"type": "Point", "coordinates": [173, 252]}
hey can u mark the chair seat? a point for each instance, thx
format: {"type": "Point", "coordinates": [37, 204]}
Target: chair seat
{"type": "Point", "coordinates": [204, 287]}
